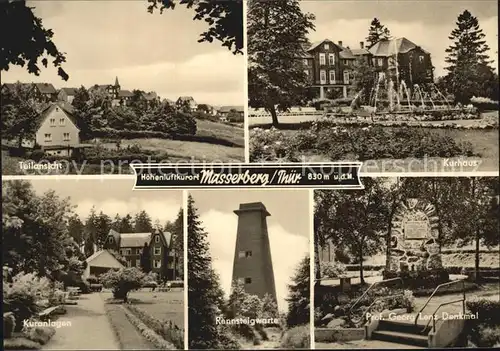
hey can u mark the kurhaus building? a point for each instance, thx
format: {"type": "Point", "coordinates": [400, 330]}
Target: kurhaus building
{"type": "Point", "coordinates": [162, 258]}
{"type": "Point", "coordinates": [329, 65]}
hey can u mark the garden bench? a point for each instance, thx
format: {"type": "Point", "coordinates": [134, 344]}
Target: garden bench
{"type": "Point", "coordinates": [49, 312]}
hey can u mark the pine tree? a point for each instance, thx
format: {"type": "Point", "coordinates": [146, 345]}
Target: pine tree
{"type": "Point", "coordinates": [206, 298]}
{"type": "Point", "coordinates": [126, 225]}
{"type": "Point", "coordinates": [277, 33]}
{"type": "Point", "coordinates": [377, 32]}
{"type": "Point", "coordinates": [143, 223]}
{"type": "Point", "coordinates": [299, 298]}
{"type": "Point", "coordinates": [469, 68]}
{"type": "Point", "coordinates": [146, 258]}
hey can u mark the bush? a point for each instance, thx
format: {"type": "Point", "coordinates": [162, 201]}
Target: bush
{"type": "Point", "coordinates": [333, 269]}
{"type": "Point", "coordinates": [92, 279]}
{"type": "Point", "coordinates": [297, 338]}
{"type": "Point", "coordinates": [485, 330]}
{"type": "Point", "coordinates": [122, 281]}
{"type": "Point", "coordinates": [415, 280]}
{"type": "Point", "coordinates": [177, 284]}
{"type": "Point", "coordinates": [487, 310]}
{"type": "Point", "coordinates": [166, 329]}
{"type": "Point", "coordinates": [20, 344]}
{"type": "Point", "coordinates": [9, 324]}
{"type": "Point", "coordinates": [40, 335]}
{"type": "Point", "coordinates": [21, 296]}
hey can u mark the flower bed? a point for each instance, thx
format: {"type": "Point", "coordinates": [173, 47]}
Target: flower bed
{"type": "Point", "coordinates": [353, 142]}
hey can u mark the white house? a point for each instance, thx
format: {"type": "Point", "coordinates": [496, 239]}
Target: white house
{"type": "Point", "coordinates": [100, 262]}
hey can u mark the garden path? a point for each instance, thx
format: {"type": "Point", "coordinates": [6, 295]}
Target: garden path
{"type": "Point", "coordinates": [363, 344]}
{"type": "Point", "coordinates": [90, 327]}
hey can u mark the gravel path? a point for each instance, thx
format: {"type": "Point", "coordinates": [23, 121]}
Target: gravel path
{"type": "Point", "coordinates": [90, 327]}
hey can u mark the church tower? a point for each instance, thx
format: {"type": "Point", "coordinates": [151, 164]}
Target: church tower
{"type": "Point", "coordinates": [252, 265]}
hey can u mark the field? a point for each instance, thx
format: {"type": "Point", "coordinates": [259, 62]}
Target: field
{"type": "Point", "coordinates": [161, 305]}
{"type": "Point", "coordinates": [220, 130]}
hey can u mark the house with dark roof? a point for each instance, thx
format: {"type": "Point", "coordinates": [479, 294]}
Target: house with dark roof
{"type": "Point", "coordinates": [66, 95]}
{"type": "Point", "coordinates": [44, 92]}
{"type": "Point", "coordinates": [402, 59]}
{"type": "Point", "coordinates": [225, 111]}
{"type": "Point", "coordinates": [163, 260]}
{"type": "Point", "coordinates": [58, 130]}
{"type": "Point", "coordinates": [329, 65]}
{"type": "Point", "coordinates": [187, 101]}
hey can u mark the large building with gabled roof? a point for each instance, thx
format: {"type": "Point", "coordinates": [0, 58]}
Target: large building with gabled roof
{"type": "Point", "coordinates": [162, 258]}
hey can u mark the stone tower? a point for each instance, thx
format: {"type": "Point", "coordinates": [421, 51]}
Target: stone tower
{"type": "Point", "coordinates": [252, 257]}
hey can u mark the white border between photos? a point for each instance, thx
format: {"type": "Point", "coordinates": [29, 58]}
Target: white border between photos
{"type": "Point", "coordinates": [311, 268]}
{"type": "Point", "coordinates": [185, 268]}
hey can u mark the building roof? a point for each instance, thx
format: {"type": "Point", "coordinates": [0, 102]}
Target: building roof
{"type": "Point", "coordinates": [168, 101]}
{"type": "Point", "coordinates": [360, 52]}
{"type": "Point", "coordinates": [318, 43]}
{"type": "Point", "coordinates": [125, 93]}
{"type": "Point", "coordinates": [103, 259]}
{"type": "Point", "coordinates": [45, 88]}
{"type": "Point", "coordinates": [229, 108]}
{"type": "Point", "coordinates": [70, 91]}
{"type": "Point", "coordinates": [66, 108]}
{"type": "Point", "coordinates": [134, 239]}
{"type": "Point", "coordinates": [150, 96]}
{"type": "Point", "coordinates": [347, 54]}
{"type": "Point", "coordinates": [393, 46]}
{"type": "Point", "coordinates": [185, 98]}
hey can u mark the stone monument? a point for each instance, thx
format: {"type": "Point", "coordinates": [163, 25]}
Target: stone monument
{"type": "Point", "coordinates": [414, 238]}
{"type": "Point", "coordinates": [252, 265]}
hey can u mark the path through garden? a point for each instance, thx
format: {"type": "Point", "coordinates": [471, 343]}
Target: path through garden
{"type": "Point", "coordinates": [89, 329]}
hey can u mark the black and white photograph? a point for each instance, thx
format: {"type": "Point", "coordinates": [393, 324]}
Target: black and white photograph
{"type": "Point", "coordinates": [249, 271]}
{"type": "Point", "coordinates": [404, 86]}
{"type": "Point", "coordinates": [91, 265]}
{"type": "Point", "coordinates": [408, 263]}
{"type": "Point", "coordinates": [89, 87]}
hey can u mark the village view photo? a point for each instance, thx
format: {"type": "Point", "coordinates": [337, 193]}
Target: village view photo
{"type": "Point", "coordinates": [404, 86]}
{"type": "Point", "coordinates": [87, 265]}
{"type": "Point", "coordinates": [104, 84]}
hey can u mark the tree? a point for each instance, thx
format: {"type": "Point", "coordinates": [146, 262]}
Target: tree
{"type": "Point", "coordinates": [356, 219]}
{"type": "Point", "coordinates": [224, 18]}
{"type": "Point", "coordinates": [277, 32]}
{"type": "Point", "coordinates": [468, 62]}
{"type": "Point", "coordinates": [234, 116]}
{"type": "Point", "coordinates": [76, 229]}
{"type": "Point", "coordinates": [478, 219]}
{"type": "Point", "coordinates": [20, 112]}
{"type": "Point", "coordinates": [206, 298]}
{"type": "Point", "coordinates": [377, 32]}
{"type": "Point", "coordinates": [146, 258]}
{"type": "Point", "coordinates": [126, 225]}
{"type": "Point", "coordinates": [299, 298]}
{"type": "Point", "coordinates": [122, 281]}
{"type": "Point", "coordinates": [32, 43]}
{"type": "Point", "coordinates": [143, 223]}
{"type": "Point", "coordinates": [364, 78]}
{"type": "Point", "coordinates": [177, 231]}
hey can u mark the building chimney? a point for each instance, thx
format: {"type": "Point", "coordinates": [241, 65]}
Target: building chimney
{"type": "Point", "coordinates": [340, 42]}
{"type": "Point", "coordinates": [361, 45]}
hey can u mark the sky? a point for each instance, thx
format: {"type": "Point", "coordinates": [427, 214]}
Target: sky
{"type": "Point", "coordinates": [151, 52]}
{"type": "Point", "coordinates": [288, 228]}
{"type": "Point", "coordinates": [427, 23]}
{"type": "Point", "coordinates": [113, 196]}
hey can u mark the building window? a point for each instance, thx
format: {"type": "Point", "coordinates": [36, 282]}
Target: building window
{"type": "Point", "coordinates": [322, 59]}
{"type": "Point", "coordinates": [248, 280]}
{"type": "Point", "coordinates": [244, 254]}
{"type": "Point", "coordinates": [241, 280]}
{"type": "Point", "coordinates": [52, 122]}
{"type": "Point", "coordinates": [374, 61]}
{"type": "Point", "coordinates": [346, 77]}
{"type": "Point", "coordinates": [110, 240]}
{"type": "Point", "coordinates": [322, 76]}
{"type": "Point", "coordinates": [241, 254]}
{"type": "Point", "coordinates": [248, 253]}
{"type": "Point", "coordinates": [62, 121]}
{"type": "Point", "coordinates": [332, 77]}
{"type": "Point", "coordinates": [128, 251]}
{"type": "Point", "coordinates": [421, 59]}
{"type": "Point", "coordinates": [380, 62]}
{"type": "Point", "coordinates": [157, 239]}
{"type": "Point", "coordinates": [129, 263]}
{"type": "Point", "coordinates": [66, 136]}
{"type": "Point", "coordinates": [157, 264]}
{"type": "Point", "coordinates": [346, 62]}
{"type": "Point", "coordinates": [138, 251]}
{"type": "Point", "coordinates": [331, 59]}
{"type": "Point", "coordinates": [157, 250]}
{"type": "Point", "coordinates": [137, 263]}
{"type": "Point", "coordinates": [306, 72]}
{"type": "Point", "coordinates": [327, 46]}
{"type": "Point", "coordinates": [306, 63]}
{"type": "Point", "coordinates": [48, 137]}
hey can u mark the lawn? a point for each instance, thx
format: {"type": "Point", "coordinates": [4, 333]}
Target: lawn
{"type": "Point", "coordinates": [161, 305]}
{"type": "Point", "coordinates": [221, 130]}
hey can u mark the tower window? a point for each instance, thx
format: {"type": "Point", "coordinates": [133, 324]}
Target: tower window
{"type": "Point", "coordinates": [248, 280]}
{"type": "Point", "coordinates": [243, 254]}
{"type": "Point", "coordinates": [248, 253]}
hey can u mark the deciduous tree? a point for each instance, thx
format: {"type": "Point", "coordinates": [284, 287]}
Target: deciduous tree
{"type": "Point", "coordinates": [277, 33]}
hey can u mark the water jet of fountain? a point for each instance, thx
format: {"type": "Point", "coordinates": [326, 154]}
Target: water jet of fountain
{"type": "Point", "coordinates": [442, 95]}
{"type": "Point", "coordinates": [405, 89]}
{"type": "Point", "coordinates": [390, 92]}
{"type": "Point", "coordinates": [379, 80]}
{"type": "Point", "coordinates": [417, 90]}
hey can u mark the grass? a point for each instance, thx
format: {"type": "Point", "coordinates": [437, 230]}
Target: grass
{"type": "Point", "coordinates": [161, 305]}
{"type": "Point", "coordinates": [220, 130]}
{"type": "Point", "coordinates": [128, 336]}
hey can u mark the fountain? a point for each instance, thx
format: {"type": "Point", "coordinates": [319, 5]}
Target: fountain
{"type": "Point", "coordinates": [390, 91]}
{"type": "Point", "coordinates": [417, 90]}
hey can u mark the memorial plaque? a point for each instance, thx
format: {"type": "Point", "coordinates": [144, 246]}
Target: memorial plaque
{"type": "Point", "coordinates": [416, 229]}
